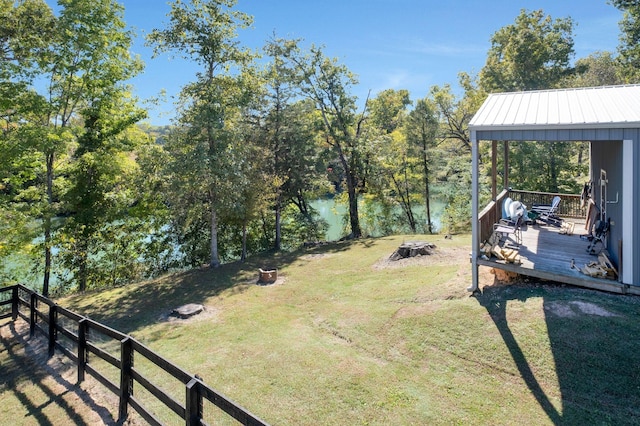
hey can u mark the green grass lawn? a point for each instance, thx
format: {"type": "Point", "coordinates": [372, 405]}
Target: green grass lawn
{"type": "Point", "coordinates": [347, 337]}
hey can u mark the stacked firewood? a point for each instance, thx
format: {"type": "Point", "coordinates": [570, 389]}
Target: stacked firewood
{"type": "Point", "coordinates": [492, 247]}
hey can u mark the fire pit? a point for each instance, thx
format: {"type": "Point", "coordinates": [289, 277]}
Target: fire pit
{"type": "Point", "coordinates": [267, 276]}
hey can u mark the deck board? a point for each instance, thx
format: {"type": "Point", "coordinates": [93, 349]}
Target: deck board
{"type": "Point", "coordinates": [546, 253]}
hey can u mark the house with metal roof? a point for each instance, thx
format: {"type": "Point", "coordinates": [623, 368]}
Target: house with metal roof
{"type": "Point", "coordinates": [608, 118]}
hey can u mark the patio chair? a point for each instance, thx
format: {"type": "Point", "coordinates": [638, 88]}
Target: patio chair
{"type": "Point", "coordinates": [548, 213]}
{"type": "Point", "coordinates": [507, 227]}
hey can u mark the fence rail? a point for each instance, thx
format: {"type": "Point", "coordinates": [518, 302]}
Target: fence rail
{"type": "Point", "coordinates": [569, 206]}
{"type": "Point", "coordinates": [52, 321]}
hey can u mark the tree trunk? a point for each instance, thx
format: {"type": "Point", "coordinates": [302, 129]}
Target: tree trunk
{"type": "Point", "coordinates": [412, 220]}
{"type": "Point", "coordinates": [243, 256]}
{"type": "Point", "coordinates": [50, 157]}
{"type": "Point", "coordinates": [354, 219]}
{"type": "Point", "coordinates": [405, 202]}
{"type": "Point", "coordinates": [278, 242]}
{"type": "Point", "coordinates": [82, 269]}
{"type": "Point", "coordinates": [427, 201]}
{"type": "Point", "coordinates": [428, 205]}
{"type": "Point", "coordinates": [215, 260]}
{"type": "Point", "coordinates": [47, 255]}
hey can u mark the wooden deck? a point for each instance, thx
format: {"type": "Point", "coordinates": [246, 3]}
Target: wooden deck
{"type": "Point", "coordinates": [547, 254]}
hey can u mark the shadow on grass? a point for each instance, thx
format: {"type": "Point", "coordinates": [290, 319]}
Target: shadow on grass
{"type": "Point", "coordinates": [25, 360]}
{"type": "Point", "coordinates": [147, 303]}
{"type": "Point", "coordinates": [595, 346]}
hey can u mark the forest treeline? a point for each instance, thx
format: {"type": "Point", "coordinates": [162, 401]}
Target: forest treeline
{"type": "Point", "coordinates": [92, 194]}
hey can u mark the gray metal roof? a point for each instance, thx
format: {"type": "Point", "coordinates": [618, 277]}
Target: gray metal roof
{"type": "Point", "coordinates": [591, 107]}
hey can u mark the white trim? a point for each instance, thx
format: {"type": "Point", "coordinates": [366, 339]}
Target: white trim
{"type": "Point", "coordinates": [537, 127]}
{"type": "Point", "coordinates": [474, 212]}
{"type": "Point", "coordinates": [628, 192]}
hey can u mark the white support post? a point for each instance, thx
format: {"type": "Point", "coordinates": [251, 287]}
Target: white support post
{"type": "Point", "coordinates": [628, 191]}
{"type": "Point", "coordinates": [474, 212]}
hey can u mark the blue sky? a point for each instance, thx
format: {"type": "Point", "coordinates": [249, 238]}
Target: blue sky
{"type": "Point", "coordinates": [388, 44]}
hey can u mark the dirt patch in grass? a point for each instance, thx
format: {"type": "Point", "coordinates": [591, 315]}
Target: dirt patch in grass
{"type": "Point", "coordinates": [440, 256]}
{"type": "Point", "coordinates": [209, 313]}
{"type": "Point", "coordinates": [572, 309]}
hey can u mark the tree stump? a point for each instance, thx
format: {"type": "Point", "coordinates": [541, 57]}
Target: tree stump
{"type": "Point", "coordinates": [412, 249]}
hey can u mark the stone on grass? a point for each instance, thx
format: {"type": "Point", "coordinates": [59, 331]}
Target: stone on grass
{"type": "Point", "coordinates": [188, 310]}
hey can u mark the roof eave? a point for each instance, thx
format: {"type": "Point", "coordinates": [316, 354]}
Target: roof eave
{"type": "Point", "coordinates": [538, 127]}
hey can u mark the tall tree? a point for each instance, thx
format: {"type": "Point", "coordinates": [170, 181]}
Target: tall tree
{"type": "Point", "coordinates": [98, 194]}
{"type": "Point", "coordinates": [389, 164]}
{"type": "Point", "coordinates": [26, 30]}
{"type": "Point", "coordinates": [629, 47]}
{"type": "Point", "coordinates": [455, 145]}
{"type": "Point", "coordinates": [533, 53]}
{"type": "Point", "coordinates": [87, 66]}
{"type": "Point", "coordinates": [288, 128]}
{"type": "Point", "coordinates": [597, 69]}
{"type": "Point", "coordinates": [204, 31]}
{"type": "Point", "coordinates": [327, 84]}
{"type": "Point", "coordinates": [421, 130]}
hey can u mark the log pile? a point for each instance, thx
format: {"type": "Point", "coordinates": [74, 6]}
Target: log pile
{"type": "Point", "coordinates": [492, 248]}
{"type": "Point", "coordinates": [603, 268]}
{"type": "Point", "coordinates": [509, 255]}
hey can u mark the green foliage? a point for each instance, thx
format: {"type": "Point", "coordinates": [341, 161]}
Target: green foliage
{"type": "Point", "coordinates": [629, 47]}
{"type": "Point", "coordinates": [456, 217]}
{"type": "Point", "coordinates": [533, 53]}
{"type": "Point", "coordinates": [205, 32]}
{"type": "Point", "coordinates": [26, 28]}
{"type": "Point", "coordinates": [326, 82]}
{"type": "Point", "coordinates": [547, 167]}
{"type": "Point", "coordinates": [597, 69]}
{"type": "Point", "coordinates": [250, 149]}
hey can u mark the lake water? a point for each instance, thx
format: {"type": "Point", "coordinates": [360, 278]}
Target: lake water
{"type": "Point", "coordinates": [333, 212]}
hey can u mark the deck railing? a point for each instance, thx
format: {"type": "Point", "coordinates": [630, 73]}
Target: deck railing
{"type": "Point", "coordinates": [108, 355]}
{"type": "Point", "coordinates": [569, 206]}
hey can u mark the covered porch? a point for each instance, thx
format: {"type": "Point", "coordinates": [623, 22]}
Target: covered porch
{"type": "Point", "coordinates": [545, 252]}
{"type": "Point", "coordinates": [608, 118]}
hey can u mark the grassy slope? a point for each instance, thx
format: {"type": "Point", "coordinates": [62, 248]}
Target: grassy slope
{"type": "Point", "coordinates": [347, 338]}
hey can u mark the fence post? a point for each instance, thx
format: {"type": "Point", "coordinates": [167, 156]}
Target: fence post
{"type": "Point", "coordinates": [82, 348]}
{"type": "Point", "coordinates": [33, 306]}
{"type": "Point", "coordinates": [126, 380]}
{"type": "Point", "coordinates": [193, 406]}
{"type": "Point", "coordinates": [14, 303]}
{"type": "Point", "coordinates": [53, 328]}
